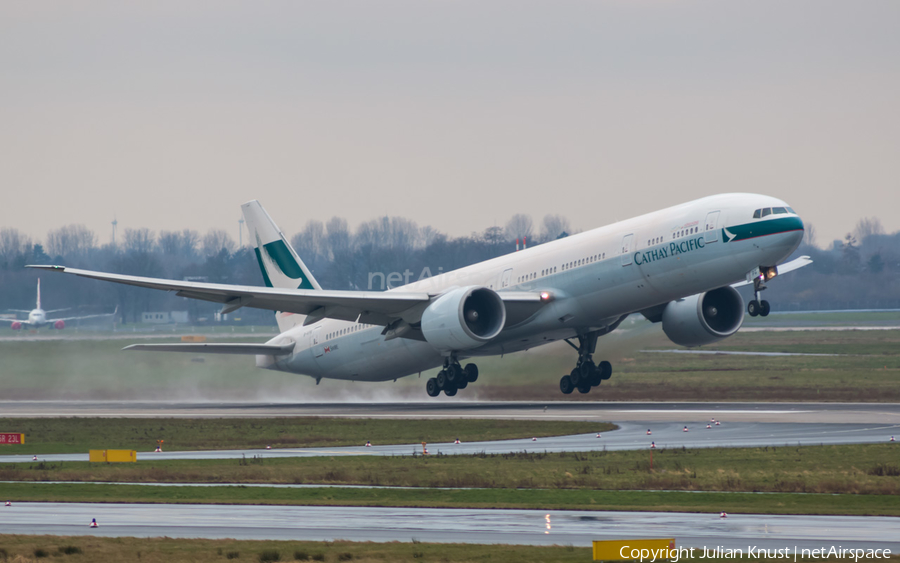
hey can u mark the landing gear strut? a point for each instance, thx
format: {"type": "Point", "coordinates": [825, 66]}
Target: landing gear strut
{"type": "Point", "coordinates": [757, 307]}
{"type": "Point", "coordinates": [586, 374]}
{"type": "Point", "coordinates": [451, 378]}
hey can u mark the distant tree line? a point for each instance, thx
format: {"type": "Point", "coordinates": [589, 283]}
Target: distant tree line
{"type": "Point", "coordinates": [859, 271]}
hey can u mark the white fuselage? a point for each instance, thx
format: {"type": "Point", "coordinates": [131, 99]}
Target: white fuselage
{"type": "Point", "coordinates": [37, 318]}
{"type": "Point", "coordinates": [595, 277]}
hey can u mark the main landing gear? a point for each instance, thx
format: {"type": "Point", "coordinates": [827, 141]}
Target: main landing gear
{"type": "Point", "coordinates": [452, 378]}
{"type": "Point", "coordinates": [757, 307]}
{"type": "Point", "coordinates": [586, 374]}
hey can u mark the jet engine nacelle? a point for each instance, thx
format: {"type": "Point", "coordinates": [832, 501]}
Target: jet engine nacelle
{"type": "Point", "coordinates": [704, 318]}
{"type": "Point", "coordinates": [463, 318]}
{"type": "Point", "coordinates": [59, 325]}
{"type": "Point", "coordinates": [16, 326]}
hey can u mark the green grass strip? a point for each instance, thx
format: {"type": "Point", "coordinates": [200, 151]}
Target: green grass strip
{"type": "Point", "coordinates": [78, 435]}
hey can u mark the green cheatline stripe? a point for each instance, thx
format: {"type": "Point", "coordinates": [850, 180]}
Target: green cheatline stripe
{"type": "Point", "coordinates": [262, 268]}
{"type": "Point", "coordinates": [762, 228]}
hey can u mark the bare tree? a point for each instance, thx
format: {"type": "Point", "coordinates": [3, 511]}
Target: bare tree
{"type": "Point", "coordinates": [13, 244]}
{"type": "Point", "coordinates": [70, 241]}
{"type": "Point", "coordinates": [809, 234]}
{"type": "Point", "coordinates": [519, 226]}
{"type": "Point", "coordinates": [310, 243]}
{"type": "Point", "coordinates": [493, 235]}
{"type": "Point", "coordinates": [429, 235]}
{"type": "Point", "coordinates": [182, 244]}
{"type": "Point", "coordinates": [554, 226]}
{"type": "Point", "coordinates": [866, 227]}
{"type": "Point", "coordinates": [337, 235]}
{"type": "Point", "coordinates": [139, 240]}
{"type": "Point", "coordinates": [217, 240]}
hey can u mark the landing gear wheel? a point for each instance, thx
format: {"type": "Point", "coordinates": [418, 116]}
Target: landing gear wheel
{"type": "Point", "coordinates": [454, 373]}
{"type": "Point", "coordinates": [431, 387]}
{"type": "Point", "coordinates": [587, 372]}
{"type": "Point", "coordinates": [753, 308]}
{"type": "Point", "coordinates": [764, 308]}
{"type": "Point", "coordinates": [450, 391]}
{"type": "Point", "coordinates": [471, 373]}
{"type": "Point", "coordinates": [565, 385]}
{"type": "Point", "coordinates": [605, 370]}
{"type": "Point", "coordinates": [584, 388]}
{"type": "Point", "coordinates": [441, 380]}
{"type": "Point", "coordinates": [462, 383]}
{"type": "Point", "coordinates": [575, 376]}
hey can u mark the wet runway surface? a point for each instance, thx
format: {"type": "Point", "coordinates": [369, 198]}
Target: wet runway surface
{"type": "Point", "coordinates": [526, 527]}
{"type": "Point", "coordinates": [630, 436]}
{"type": "Point", "coordinates": [866, 413]}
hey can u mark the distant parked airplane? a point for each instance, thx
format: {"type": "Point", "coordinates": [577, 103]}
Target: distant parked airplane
{"type": "Point", "coordinates": [37, 317]}
{"type": "Point", "coordinates": [677, 266]}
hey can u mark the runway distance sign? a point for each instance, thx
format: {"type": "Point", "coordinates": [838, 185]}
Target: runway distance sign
{"type": "Point", "coordinates": [11, 438]}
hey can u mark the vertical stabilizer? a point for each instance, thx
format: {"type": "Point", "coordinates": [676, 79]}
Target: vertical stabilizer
{"type": "Point", "coordinates": [279, 263]}
{"type": "Point", "coordinates": [38, 305]}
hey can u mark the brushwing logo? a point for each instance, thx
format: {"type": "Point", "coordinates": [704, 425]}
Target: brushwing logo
{"type": "Point", "coordinates": [272, 265]}
{"type": "Point", "coordinates": [729, 236]}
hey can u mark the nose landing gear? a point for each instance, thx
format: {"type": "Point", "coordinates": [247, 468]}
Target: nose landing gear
{"type": "Point", "coordinates": [756, 307]}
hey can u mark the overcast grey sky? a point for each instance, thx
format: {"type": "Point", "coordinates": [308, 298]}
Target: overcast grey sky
{"type": "Point", "coordinates": [457, 114]}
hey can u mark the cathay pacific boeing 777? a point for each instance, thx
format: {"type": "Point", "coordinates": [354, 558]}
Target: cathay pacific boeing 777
{"type": "Point", "coordinates": [677, 266]}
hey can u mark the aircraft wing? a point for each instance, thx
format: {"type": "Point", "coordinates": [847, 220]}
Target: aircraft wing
{"type": "Point", "coordinates": [217, 348]}
{"type": "Point", "coordinates": [795, 264]}
{"type": "Point", "coordinates": [82, 317]}
{"type": "Point", "coordinates": [371, 307]}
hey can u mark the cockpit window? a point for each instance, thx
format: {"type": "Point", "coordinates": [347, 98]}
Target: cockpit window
{"type": "Point", "coordinates": [766, 211]}
{"type": "Point", "coordinates": [756, 213]}
{"type": "Point", "coordinates": [791, 210]}
{"type": "Point", "coordinates": [779, 210]}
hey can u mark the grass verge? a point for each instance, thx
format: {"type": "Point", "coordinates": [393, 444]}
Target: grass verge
{"type": "Point", "coordinates": [78, 435]}
{"type": "Point", "coordinates": [171, 550]}
{"type": "Point", "coordinates": [870, 469]}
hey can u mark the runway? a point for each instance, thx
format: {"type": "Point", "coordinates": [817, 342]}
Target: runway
{"type": "Point", "coordinates": [629, 436]}
{"type": "Point", "coordinates": [684, 412]}
{"type": "Point", "coordinates": [523, 527]}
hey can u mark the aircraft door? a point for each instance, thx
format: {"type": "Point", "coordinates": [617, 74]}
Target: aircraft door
{"type": "Point", "coordinates": [505, 277]}
{"type": "Point", "coordinates": [627, 243]}
{"type": "Point", "coordinates": [711, 232]}
{"type": "Point", "coordinates": [315, 342]}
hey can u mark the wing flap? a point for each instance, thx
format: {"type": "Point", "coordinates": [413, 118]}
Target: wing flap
{"type": "Point", "coordinates": [217, 348]}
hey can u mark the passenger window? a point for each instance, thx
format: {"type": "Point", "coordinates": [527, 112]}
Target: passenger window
{"type": "Point", "coordinates": [766, 211]}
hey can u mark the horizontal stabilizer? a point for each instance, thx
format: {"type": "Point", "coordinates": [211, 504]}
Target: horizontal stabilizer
{"type": "Point", "coordinates": [214, 348]}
